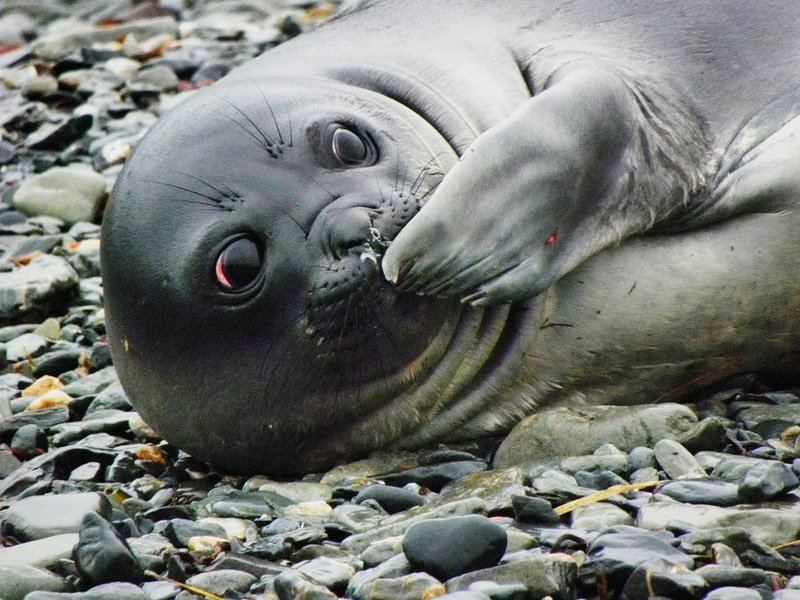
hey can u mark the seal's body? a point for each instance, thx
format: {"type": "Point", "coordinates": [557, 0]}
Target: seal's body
{"type": "Point", "coordinates": [574, 202]}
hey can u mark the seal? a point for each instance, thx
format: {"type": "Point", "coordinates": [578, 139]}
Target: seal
{"type": "Point", "coordinates": [426, 220]}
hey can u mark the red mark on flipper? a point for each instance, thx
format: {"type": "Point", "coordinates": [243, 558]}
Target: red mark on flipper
{"type": "Point", "coordinates": [552, 239]}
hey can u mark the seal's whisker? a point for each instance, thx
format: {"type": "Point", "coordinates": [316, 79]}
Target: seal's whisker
{"type": "Point", "coordinates": [254, 137]}
{"type": "Point", "coordinates": [271, 112]}
{"type": "Point", "coordinates": [266, 142]}
{"type": "Point", "coordinates": [263, 134]}
{"type": "Point", "coordinates": [215, 204]}
{"type": "Point", "coordinates": [228, 193]}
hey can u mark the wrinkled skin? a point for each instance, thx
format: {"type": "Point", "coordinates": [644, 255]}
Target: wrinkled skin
{"type": "Point", "coordinates": [587, 203]}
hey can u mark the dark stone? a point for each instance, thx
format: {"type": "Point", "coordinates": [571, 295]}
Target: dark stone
{"type": "Point", "coordinates": [179, 531]}
{"type": "Point", "coordinates": [767, 480]}
{"type": "Point", "coordinates": [530, 509]}
{"type": "Point", "coordinates": [61, 135]}
{"type": "Point", "coordinates": [598, 480]}
{"type": "Point", "coordinates": [391, 499]}
{"type": "Point", "coordinates": [702, 491]}
{"type": "Point", "coordinates": [102, 554]}
{"type": "Point", "coordinates": [445, 455]}
{"type": "Point", "coordinates": [720, 576]}
{"type": "Point", "coordinates": [211, 70]}
{"type": "Point", "coordinates": [453, 546]}
{"type": "Point", "coordinates": [248, 564]}
{"type": "Point", "coordinates": [283, 545]}
{"type": "Point", "coordinates": [57, 362]}
{"type": "Point", "coordinates": [657, 578]}
{"type": "Point", "coordinates": [435, 477]}
{"type": "Point", "coordinates": [29, 441]}
{"type": "Point", "coordinates": [617, 555]}
{"type": "Point", "coordinates": [124, 469]}
{"type": "Point", "coordinates": [99, 356]}
{"type": "Point", "coordinates": [41, 418]}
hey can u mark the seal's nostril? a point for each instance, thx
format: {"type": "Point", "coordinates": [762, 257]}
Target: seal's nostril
{"type": "Point", "coordinates": [349, 231]}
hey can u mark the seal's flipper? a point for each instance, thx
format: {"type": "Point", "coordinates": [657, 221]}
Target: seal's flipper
{"type": "Point", "coordinates": [596, 156]}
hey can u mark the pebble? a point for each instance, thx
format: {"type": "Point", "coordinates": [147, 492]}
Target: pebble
{"type": "Point", "coordinates": [409, 587]}
{"type": "Point", "coordinates": [290, 585]}
{"type": "Point", "coordinates": [767, 480]}
{"type": "Point", "coordinates": [542, 575]}
{"type": "Point", "coordinates": [702, 491]}
{"type": "Point", "coordinates": [18, 579]}
{"type": "Point", "coordinates": [428, 545]}
{"type": "Point", "coordinates": [40, 517]}
{"type": "Point", "coordinates": [328, 572]}
{"type": "Point", "coordinates": [534, 510]}
{"type": "Point", "coordinates": [221, 581]}
{"type": "Point", "coordinates": [102, 555]}
{"type": "Point", "coordinates": [107, 591]}
{"type": "Point", "coordinates": [391, 499]}
{"type": "Point", "coordinates": [677, 461]}
{"type": "Point", "coordinates": [69, 193]}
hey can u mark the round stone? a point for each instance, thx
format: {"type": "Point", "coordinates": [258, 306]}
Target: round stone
{"type": "Point", "coordinates": [430, 545]}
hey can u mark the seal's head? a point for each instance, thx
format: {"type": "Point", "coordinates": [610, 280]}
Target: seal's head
{"type": "Point", "coordinates": [248, 319]}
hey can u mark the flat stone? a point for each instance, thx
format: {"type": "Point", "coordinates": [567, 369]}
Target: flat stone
{"type": "Point", "coordinates": [733, 593]}
{"type": "Point", "coordinates": [70, 193]}
{"type": "Point", "coordinates": [18, 579]}
{"type": "Point", "coordinates": [415, 586]}
{"type": "Point", "coordinates": [720, 576]}
{"type": "Point", "coordinates": [107, 591]}
{"type": "Point", "coordinates": [180, 531]}
{"type": "Point", "coordinates": [496, 487]}
{"type": "Point", "coordinates": [220, 581]}
{"type": "Point", "coordinates": [44, 553]}
{"type": "Point", "coordinates": [429, 545]}
{"type": "Point", "coordinates": [93, 383]}
{"type": "Point", "coordinates": [290, 585]}
{"type": "Point", "coordinates": [392, 499]}
{"type": "Point", "coordinates": [399, 523]}
{"type": "Point", "coordinates": [41, 517]}
{"type": "Point", "coordinates": [296, 491]}
{"type": "Point", "coordinates": [702, 491]}
{"type": "Point", "coordinates": [659, 578]}
{"type": "Point", "coordinates": [677, 461]}
{"type": "Point", "coordinates": [617, 555]}
{"type": "Point", "coordinates": [25, 346]}
{"type": "Point", "coordinates": [552, 575]}
{"type": "Point", "coordinates": [574, 431]}
{"type": "Point", "coordinates": [435, 477]}
{"type": "Point", "coordinates": [767, 480]}
{"type": "Point", "coordinates": [378, 464]}
{"type": "Point", "coordinates": [394, 567]}
{"type": "Point", "coordinates": [769, 525]}
{"type": "Point", "coordinates": [328, 572]}
{"type": "Point", "coordinates": [599, 516]}
{"type": "Point", "coordinates": [43, 284]}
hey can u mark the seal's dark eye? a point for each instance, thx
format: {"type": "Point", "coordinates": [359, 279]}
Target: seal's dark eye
{"type": "Point", "coordinates": [349, 147]}
{"type": "Point", "coordinates": [238, 264]}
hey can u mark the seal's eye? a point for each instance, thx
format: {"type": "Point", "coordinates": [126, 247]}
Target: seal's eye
{"type": "Point", "coordinates": [349, 147]}
{"type": "Point", "coordinates": [238, 264]}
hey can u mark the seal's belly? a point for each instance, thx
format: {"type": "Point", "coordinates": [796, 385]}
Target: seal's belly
{"type": "Point", "coordinates": [661, 316]}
